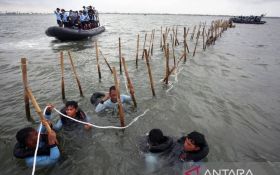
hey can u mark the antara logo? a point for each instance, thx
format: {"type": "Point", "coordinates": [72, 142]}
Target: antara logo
{"type": "Point", "coordinates": [196, 170]}
{"type": "Point", "coordinates": [228, 172]}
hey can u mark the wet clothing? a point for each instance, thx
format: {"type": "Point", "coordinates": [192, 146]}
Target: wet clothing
{"type": "Point", "coordinates": [109, 104]}
{"type": "Point", "coordinates": [66, 123]}
{"type": "Point", "coordinates": [58, 18]}
{"type": "Point", "coordinates": [174, 149]}
{"type": "Point", "coordinates": [189, 156]}
{"type": "Point", "coordinates": [46, 155]}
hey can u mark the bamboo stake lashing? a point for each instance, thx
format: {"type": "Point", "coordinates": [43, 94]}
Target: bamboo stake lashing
{"type": "Point", "coordinates": [75, 74]}
{"type": "Point", "coordinates": [97, 61]}
{"type": "Point", "coordinates": [62, 75]}
{"type": "Point", "coordinates": [107, 63]}
{"type": "Point", "coordinates": [121, 111]}
{"type": "Point", "coordinates": [150, 73]}
{"type": "Point", "coordinates": [130, 85]}
{"type": "Point", "coordinates": [120, 55]}
{"type": "Point", "coordinates": [137, 51]}
{"type": "Point", "coordinates": [25, 85]}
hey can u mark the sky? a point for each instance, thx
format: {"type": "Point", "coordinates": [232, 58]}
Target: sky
{"type": "Point", "coordinates": [206, 7]}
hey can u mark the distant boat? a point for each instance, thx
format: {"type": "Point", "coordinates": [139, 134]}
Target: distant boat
{"type": "Point", "coordinates": [248, 19]}
{"type": "Point", "coordinates": [68, 34]}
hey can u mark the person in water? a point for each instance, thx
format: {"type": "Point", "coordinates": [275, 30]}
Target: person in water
{"type": "Point", "coordinates": [48, 152]}
{"type": "Point", "coordinates": [71, 109]}
{"type": "Point", "coordinates": [192, 147]}
{"type": "Point", "coordinates": [157, 142]}
{"type": "Point", "coordinates": [109, 100]}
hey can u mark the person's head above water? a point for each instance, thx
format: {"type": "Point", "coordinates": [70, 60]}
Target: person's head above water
{"type": "Point", "coordinates": [27, 137]}
{"type": "Point", "coordinates": [155, 137]}
{"type": "Point", "coordinates": [113, 94]}
{"type": "Point", "coordinates": [71, 108]}
{"type": "Point", "coordinates": [194, 141]}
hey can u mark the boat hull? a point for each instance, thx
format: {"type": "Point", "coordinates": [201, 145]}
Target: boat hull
{"type": "Point", "coordinates": [67, 34]}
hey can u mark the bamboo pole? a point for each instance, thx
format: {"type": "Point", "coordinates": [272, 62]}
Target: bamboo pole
{"type": "Point", "coordinates": [186, 40]}
{"type": "Point", "coordinates": [38, 109]}
{"type": "Point", "coordinates": [97, 61]}
{"type": "Point", "coordinates": [121, 112]}
{"type": "Point", "coordinates": [130, 85]}
{"type": "Point", "coordinates": [62, 75]}
{"type": "Point", "coordinates": [160, 36]}
{"type": "Point", "coordinates": [150, 44]}
{"type": "Point", "coordinates": [173, 50]}
{"type": "Point", "coordinates": [75, 73]}
{"type": "Point", "coordinates": [120, 55]}
{"type": "Point", "coordinates": [183, 55]}
{"type": "Point", "coordinates": [198, 34]}
{"type": "Point", "coordinates": [150, 73]}
{"type": "Point", "coordinates": [107, 63]}
{"type": "Point", "coordinates": [193, 32]}
{"type": "Point", "coordinates": [176, 36]}
{"type": "Point", "coordinates": [137, 51]}
{"type": "Point", "coordinates": [144, 46]}
{"type": "Point", "coordinates": [169, 73]}
{"type": "Point", "coordinates": [25, 85]}
{"type": "Point", "coordinates": [167, 64]}
{"type": "Point", "coordinates": [185, 45]}
{"type": "Point", "coordinates": [203, 38]}
{"type": "Point", "coordinates": [152, 48]}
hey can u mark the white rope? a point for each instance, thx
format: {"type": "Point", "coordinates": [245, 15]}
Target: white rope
{"type": "Point", "coordinates": [103, 127]}
{"type": "Point", "coordinates": [37, 146]}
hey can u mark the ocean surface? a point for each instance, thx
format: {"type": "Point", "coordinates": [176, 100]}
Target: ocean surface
{"type": "Point", "coordinates": [230, 92]}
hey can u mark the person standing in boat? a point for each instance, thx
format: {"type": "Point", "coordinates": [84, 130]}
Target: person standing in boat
{"type": "Point", "coordinates": [91, 17]}
{"type": "Point", "coordinates": [84, 19]}
{"type": "Point", "coordinates": [64, 18]}
{"type": "Point", "coordinates": [58, 17]}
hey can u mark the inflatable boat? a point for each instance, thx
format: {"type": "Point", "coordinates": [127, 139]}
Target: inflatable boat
{"type": "Point", "coordinates": [68, 34]}
{"type": "Point", "coordinates": [248, 19]}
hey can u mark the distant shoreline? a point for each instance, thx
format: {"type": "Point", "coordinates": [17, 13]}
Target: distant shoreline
{"type": "Point", "coordinates": [179, 14]}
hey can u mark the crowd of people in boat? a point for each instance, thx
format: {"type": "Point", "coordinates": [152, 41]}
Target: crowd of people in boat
{"type": "Point", "coordinates": [192, 147]}
{"type": "Point", "coordinates": [248, 18]}
{"type": "Point", "coordinates": [85, 19]}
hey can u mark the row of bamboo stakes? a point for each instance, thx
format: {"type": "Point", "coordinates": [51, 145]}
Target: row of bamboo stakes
{"type": "Point", "coordinates": [214, 31]}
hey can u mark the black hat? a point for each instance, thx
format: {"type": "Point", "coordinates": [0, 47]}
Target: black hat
{"type": "Point", "coordinates": [57, 9]}
{"type": "Point", "coordinates": [155, 137]}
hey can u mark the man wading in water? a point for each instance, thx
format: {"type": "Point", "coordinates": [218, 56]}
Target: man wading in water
{"type": "Point", "coordinates": [109, 100]}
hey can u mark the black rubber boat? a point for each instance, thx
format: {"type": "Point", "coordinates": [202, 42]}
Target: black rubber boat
{"type": "Point", "coordinates": [67, 34]}
{"type": "Point", "coordinates": [248, 19]}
